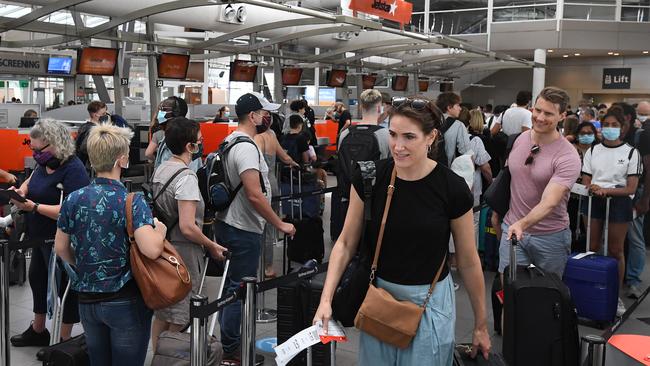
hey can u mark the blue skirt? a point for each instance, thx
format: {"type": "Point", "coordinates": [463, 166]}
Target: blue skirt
{"type": "Point", "coordinates": [434, 342]}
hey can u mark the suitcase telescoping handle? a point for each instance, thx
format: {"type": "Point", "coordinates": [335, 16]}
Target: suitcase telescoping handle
{"type": "Point", "coordinates": [605, 224]}
{"type": "Point", "coordinates": [513, 258]}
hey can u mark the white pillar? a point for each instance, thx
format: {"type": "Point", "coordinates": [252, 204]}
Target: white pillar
{"type": "Point", "coordinates": [539, 73]}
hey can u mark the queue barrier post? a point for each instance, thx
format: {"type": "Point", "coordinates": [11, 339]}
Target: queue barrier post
{"type": "Point", "coordinates": [248, 321]}
{"type": "Point", "coordinates": [592, 350]}
{"type": "Point", "coordinates": [332, 353]}
{"type": "Point", "coordinates": [5, 359]}
{"type": "Point", "coordinates": [198, 338]}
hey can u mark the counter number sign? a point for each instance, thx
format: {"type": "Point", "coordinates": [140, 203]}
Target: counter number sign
{"type": "Point", "coordinates": [124, 81]}
{"type": "Point", "coordinates": [159, 83]}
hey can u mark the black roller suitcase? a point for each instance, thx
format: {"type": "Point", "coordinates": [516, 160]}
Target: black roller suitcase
{"type": "Point", "coordinates": [72, 352]}
{"type": "Point", "coordinates": [540, 321]}
{"type": "Point", "coordinates": [297, 304]}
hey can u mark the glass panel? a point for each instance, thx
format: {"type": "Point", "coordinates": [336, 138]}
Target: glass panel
{"type": "Point", "coordinates": [458, 4]}
{"type": "Point", "coordinates": [589, 12]}
{"type": "Point", "coordinates": [539, 12]}
{"type": "Point", "coordinates": [418, 6]}
{"type": "Point", "coordinates": [466, 22]}
{"type": "Point", "coordinates": [603, 2]}
{"type": "Point", "coordinates": [636, 14]}
{"type": "Point", "coordinates": [417, 20]}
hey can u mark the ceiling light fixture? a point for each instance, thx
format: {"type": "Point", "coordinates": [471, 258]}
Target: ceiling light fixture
{"type": "Point", "coordinates": [576, 54]}
{"type": "Point", "coordinates": [549, 51]}
{"type": "Point", "coordinates": [565, 56]}
{"type": "Point", "coordinates": [617, 54]}
{"type": "Point", "coordinates": [610, 53]}
{"type": "Point", "coordinates": [646, 52]}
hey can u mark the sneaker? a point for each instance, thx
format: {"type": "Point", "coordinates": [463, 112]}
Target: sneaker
{"type": "Point", "coordinates": [31, 338]}
{"type": "Point", "coordinates": [620, 309]}
{"type": "Point", "coordinates": [456, 286]}
{"type": "Point", "coordinates": [633, 292]}
{"type": "Point", "coordinates": [234, 359]}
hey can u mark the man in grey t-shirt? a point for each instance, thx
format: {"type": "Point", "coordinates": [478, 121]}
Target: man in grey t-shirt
{"type": "Point", "coordinates": [239, 228]}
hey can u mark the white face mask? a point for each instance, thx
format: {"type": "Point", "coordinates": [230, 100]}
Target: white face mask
{"type": "Point", "coordinates": [642, 119]}
{"type": "Point", "coordinates": [117, 163]}
{"type": "Point", "coordinates": [381, 109]}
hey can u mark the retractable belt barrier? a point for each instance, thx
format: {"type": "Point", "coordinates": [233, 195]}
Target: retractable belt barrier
{"type": "Point", "coordinates": [304, 194]}
{"type": "Point", "coordinates": [6, 246]}
{"type": "Point", "coordinates": [201, 310]}
{"type": "Point", "coordinates": [593, 347]}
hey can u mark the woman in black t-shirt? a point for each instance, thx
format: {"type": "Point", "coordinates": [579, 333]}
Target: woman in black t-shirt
{"type": "Point", "coordinates": [429, 203]}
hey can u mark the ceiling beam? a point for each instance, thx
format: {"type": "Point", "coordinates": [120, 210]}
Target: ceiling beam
{"type": "Point", "coordinates": [258, 29]}
{"type": "Point", "coordinates": [298, 35]}
{"type": "Point", "coordinates": [358, 47]}
{"type": "Point", "coordinates": [386, 50]}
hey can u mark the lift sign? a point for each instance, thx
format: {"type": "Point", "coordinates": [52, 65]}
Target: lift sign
{"type": "Point", "coordinates": [617, 78]}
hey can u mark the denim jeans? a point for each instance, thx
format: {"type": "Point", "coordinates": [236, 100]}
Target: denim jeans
{"type": "Point", "coordinates": [117, 332]}
{"type": "Point", "coordinates": [635, 261]}
{"type": "Point", "coordinates": [245, 249]}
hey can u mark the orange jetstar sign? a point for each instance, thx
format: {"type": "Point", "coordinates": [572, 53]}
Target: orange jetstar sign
{"type": "Point", "coordinates": [397, 10]}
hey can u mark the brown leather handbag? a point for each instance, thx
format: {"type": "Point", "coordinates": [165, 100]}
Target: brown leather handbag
{"type": "Point", "coordinates": [163, 281]}
{"type": "Point", "coordinates": [381, 315]}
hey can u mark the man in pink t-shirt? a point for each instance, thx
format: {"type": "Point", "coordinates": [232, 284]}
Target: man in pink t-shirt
{"type": "Point", "coordinates": [544, 166]}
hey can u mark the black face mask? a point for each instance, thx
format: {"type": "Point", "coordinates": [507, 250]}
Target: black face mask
{"type": "Point", "coordinates": [105, 118]}
{"type": "Point", "coordinates": [266, 123]}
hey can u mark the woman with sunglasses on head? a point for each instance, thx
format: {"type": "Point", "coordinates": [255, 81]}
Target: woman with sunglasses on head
{"type": "Point", "coordinates": [429, 203]}
{"type": "Point", "coordinates": [58, 173]}
{"type": "Point", "coordinates": [612, 169]}
{"type": "Point", "coordinates": [180, 207]}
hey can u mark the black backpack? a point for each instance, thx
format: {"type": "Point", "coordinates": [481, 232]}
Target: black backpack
{"type": "Point", "coordinates": [215, 187]}
{"type": "Point", "coordinates": [441, 152]}
{"type": "Point", "coordinates": [361, 144]}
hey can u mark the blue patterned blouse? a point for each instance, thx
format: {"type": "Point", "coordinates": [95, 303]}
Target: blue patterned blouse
{"type": "Point", "coordinates": [95, 219]}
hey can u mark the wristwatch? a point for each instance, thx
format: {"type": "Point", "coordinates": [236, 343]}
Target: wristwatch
{"type": "Point", "coordinates": [35, 209]}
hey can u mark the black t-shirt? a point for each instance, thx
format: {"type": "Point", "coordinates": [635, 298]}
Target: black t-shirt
{"type": "Point", "coordinates": [345, 116]}
{"type": "Point", "coordinates": [417, 231]}
{"type": "Point", "coordinates": [644, 146]}
{"type": "Point", "coordinates": [295, 144]}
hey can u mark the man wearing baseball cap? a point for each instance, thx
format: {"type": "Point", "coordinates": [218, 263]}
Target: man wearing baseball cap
{"type": "Point", "coordinates": [240, 227]}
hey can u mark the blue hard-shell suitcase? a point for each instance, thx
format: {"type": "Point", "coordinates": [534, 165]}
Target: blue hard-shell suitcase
{"type": "Point", "coordinates": [593, 280]}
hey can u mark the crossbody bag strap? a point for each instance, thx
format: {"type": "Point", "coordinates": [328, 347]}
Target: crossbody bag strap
{"type": "Point", "coordinates": [389, 198]}
{"type": "Point", "coordinates": [435, 281]}
{"type": "Point", "coordinates": [129, 217]}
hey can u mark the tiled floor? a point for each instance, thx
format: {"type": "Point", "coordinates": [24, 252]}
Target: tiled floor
{"type": "Point", "coordinates": [20, 316]}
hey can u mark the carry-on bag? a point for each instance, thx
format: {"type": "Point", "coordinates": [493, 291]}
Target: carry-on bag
{"type": "Point", "coordinates": [173, 348]}
{"type": "Point", "coordinates": [497, 306]}
{"type": "Point", "coordinates": [71, 352]}
{"type": "Point", "coordinates": [593, 279]}
{"type": "Point", "coordinates": [540, 325]}
{"type": "Point", "coordinates": [308, 243]}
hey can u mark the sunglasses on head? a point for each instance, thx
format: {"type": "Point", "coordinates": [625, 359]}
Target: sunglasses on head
{"type": "Point", "coordinates": [533, 151]}
{"type": "Point", "coordinates": [418, 104]}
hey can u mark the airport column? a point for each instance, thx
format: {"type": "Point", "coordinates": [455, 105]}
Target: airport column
{"type": "Point", "coordinates": [539, 72]}
{"type": "Point", "coordinates": [359, 91]}
{"type": "Point", "coordinates": [152, 67]}
{"type": "Point", "coordinates": [277, 77]}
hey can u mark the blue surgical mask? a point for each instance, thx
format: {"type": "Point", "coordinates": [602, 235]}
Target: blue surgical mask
{"type": "Point", "coordinates": [611, 133]}
{"type": "Point", "coordinates": [162, 116]}
{"type": "Point", "coordinates": [226, 114]}
{"type": "Point", "coordinates": [586, 139]}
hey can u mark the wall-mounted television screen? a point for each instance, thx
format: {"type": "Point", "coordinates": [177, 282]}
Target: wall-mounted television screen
{"type": "Point", "coordinates": [242, 70]}
{"type": "Point", "coordinates": [400, 82]}
{"type": "Point", "coordinates": [59, 65]}
{"type": "Point", "coordinates": [291, 76]}
{"type": "Point", "coordinates": [369, 81]}
{"type": "Point", "coordinates": [423, 85]}
{"type": "Point", "coordinates": [173, 66]}
{"type": "Point", "coordinates": [97, 61]}
{"type": "Point", "coordinates": [336, 78]}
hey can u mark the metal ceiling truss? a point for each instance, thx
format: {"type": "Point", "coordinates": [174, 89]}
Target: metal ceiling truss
{"type": "Point", "coordinates": [356, 48]}
{"type": "Point", "coordinates": [388, 50]}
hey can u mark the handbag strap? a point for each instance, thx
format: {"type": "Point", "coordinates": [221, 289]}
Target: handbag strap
{"type": "Point", "coordinates": [380, 238]}
{"type": "Point", "coordinates": [129, 217]}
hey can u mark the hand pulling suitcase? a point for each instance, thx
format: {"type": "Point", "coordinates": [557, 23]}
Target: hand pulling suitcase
{"type": "Point", "coordinates": [173, 348]}
{"type": "Point", "coordinates": [463, 357]}
{"type": "Point", "coordinates": [308, 242]}
{"type": "Point", "coordinates": [540, 324]}
{"type": "Point", "coordinates": [593, 279]}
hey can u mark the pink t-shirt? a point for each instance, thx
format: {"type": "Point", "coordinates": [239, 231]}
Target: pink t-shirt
{"type": "Point", "coordinates": [557, 162]}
